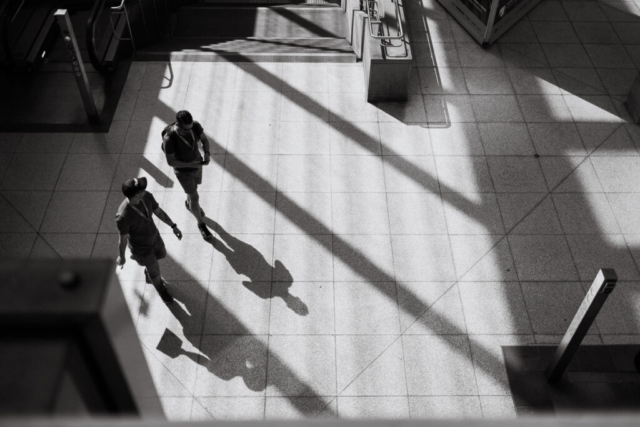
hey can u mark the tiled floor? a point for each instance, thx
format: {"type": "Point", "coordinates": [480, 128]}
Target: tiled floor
{"type": "Point", "coordinates": [379, 255]}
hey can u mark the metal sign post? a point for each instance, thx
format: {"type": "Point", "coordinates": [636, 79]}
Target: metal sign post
{"type": "Point", "coordinates": [600, 289]}
{"type": "Point", "coordinates": [70, 41]}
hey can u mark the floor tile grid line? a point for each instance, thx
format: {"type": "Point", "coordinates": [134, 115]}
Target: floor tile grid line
{"type": "Point", "coordinates": [11, 157]}
{"type": "Point", "coordinates": [217, 212]}
{"type": "Point", "coordinates": [340, 392]}
{"type": "Point", "coordinates": [435, 63]}
{"type": "Point", "coordinates": [539, 165]}
{"type": "Point", "coordinates": [627, 48]}
{"type": "Point", "coordinates": [55, 184]}
{"type": "Point", "coordinates": [557, 70]}
{"type": "Point", "coordinates": [508, 232]}
{"type": "Point", "coordinates": [626, 131]}
{"type": "Point", "coordinates": [251, 334]}
{"type": "Point", "coordinates": [583, 45]}
{"type": "Point", "coordinates": [432, 53]}
{"type": "Point", "coordinates": [399, 337]}
{"type": "Point", "coordinates": [509, 47]}
{"type": "Point", "coordinates": [272, 273]}
{"type": "Point", "coordinates": [208, 282]}
{"type": "Point", "coordinates": [206, 298]}
{"type": "Point", "coordinates": [104, 208]}
{"type": "Point", "coordinates": [334, 334]}
{"type": "Point", "coordinates": [333, 286]}
{"type": "Point", "coordinates": [196, 399]}
{"type": "Point", "coordinates": [546, 57]}
{"type": "Point", "coordinates": [150, 351]}
{"type": "Point", "coordinates": [395, 281]}
{"type": "Point", "coordinates": [474, 363]}
{"type": "Point", "coordinates": [78, 135]}
{"type": "Point", "coordinates": [37, 232]}
{"type": "Point", "coordinates": [626, 240]}
{"type": "Point", "coordinates": [587, 158]}
{"type": "Point", "coordinates": [402, 281]}
{"type": "Point", "coordinates": [331, 396]}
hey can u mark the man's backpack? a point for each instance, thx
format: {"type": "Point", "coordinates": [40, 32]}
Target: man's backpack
{"type": "Point", "coordinates": [164, 132]}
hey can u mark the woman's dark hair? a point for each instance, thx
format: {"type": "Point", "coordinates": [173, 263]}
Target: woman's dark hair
{"type": "Point", "coordinates": [183, 117]}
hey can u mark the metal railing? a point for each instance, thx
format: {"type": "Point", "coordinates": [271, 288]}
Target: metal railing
{"type": "Point", "coordinates": [375, 13]}
{"type": "Point", "coordinates": [4, 27]}
{"type": "Point", "coordinates": [7, 21]}
{"type": "Point", "coordinates": [121, 9]}
{"type": "Point", "coordinates": [94, 16]}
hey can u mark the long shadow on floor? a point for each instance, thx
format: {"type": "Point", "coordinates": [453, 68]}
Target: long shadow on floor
{"type": "Point", "coordinates": [228, 356]}
{"type": "Point", "coordinates": [488, 362]}
{"type": "Point", "coordinates": [248, 261]}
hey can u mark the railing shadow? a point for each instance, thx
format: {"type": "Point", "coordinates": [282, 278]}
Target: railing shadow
{"type": "Point", "coordinates": [412, 305]}
{"type": "Point", "coordinates": [483, 358]}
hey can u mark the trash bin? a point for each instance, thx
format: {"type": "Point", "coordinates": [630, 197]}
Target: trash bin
{"type": "Point", "coordinates": [486, 20]}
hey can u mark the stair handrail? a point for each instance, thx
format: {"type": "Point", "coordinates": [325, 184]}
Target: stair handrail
{"type": "Point", "coordinates": [4, 6]}
{"type": "Point", "coordinates": [122, 9]}
{"type": "Point", "coordinates": [17, 11]}
{"type": "Point", "coordinates": [372, 8]}
{"type": "Point", "coordinates": [5, 28]}
{"type": "Point", "coordinates": [96, 11]}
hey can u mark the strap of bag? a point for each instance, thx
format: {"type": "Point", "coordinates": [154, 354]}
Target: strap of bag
{"type": "Point", "coordinates": [148, 217]}
{"type": "Point", "coordinates": [185, 141]}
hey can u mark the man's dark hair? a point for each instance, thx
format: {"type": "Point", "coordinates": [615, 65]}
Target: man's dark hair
{"type": "Point", "coordinates": [183, 117]}
{"type": "Point", "coordinates": [133, 186]}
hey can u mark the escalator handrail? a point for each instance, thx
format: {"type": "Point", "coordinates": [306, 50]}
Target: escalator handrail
{"type": "Point", "coordinates": [119, 7]}
{"type": "Point", "coordinates": [4, 6]}
{"type": "Point", "coordinates": [17, 11]}
{"type": "Point", "coordinates": [7, 24]}
{"type": "Point", "coordinates": [5, 28]}
{"type": "Point", "coordinates": [97, 9]}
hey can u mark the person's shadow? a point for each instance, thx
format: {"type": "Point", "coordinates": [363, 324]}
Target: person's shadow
{"type": "Point", "coordinates": [226, 357]}
{"type": "Point", "coordinates": [229, 356]}
{"type": "Point", "coordinates": [248, 261]}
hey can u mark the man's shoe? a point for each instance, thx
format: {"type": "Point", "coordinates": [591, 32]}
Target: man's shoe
{"type": "Point", "coordinates": [186, 205]}
{"type": "Point", "coordinates": [204, 231]}
{"type": "Point", "coordinates": [164, 294]}
{"type": "Point", "coordinates": [146, 277]}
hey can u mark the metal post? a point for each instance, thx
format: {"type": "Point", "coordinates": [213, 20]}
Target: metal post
{"type": "Point", "coordinates": [492, 19]}
{"type": "Point", "coordinates": [600, 289]}
{"type": "Point", "coordinates": [70, 41]}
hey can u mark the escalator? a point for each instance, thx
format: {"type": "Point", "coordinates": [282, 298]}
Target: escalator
{"type": "Point", "coordinates": [31, 37]}
{"type": "Point", "coordinates": [37, 79]}
{"type": "Point", "coordinates": [38, 83]}
{"type": "Point", "coordinates": [292, 31]}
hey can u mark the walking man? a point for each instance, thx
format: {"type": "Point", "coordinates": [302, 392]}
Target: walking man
{"type": "Point", "coordinates": [137, 229]}
{"type": "Point", "coordinates": [180, 143]}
